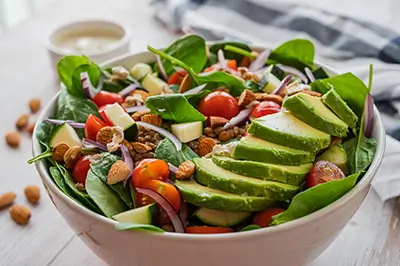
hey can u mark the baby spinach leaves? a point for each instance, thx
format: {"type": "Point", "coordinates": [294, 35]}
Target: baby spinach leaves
{"type": "Point", "coordinates": [315, 198]}
{"type": "Point", "coordinates": [174, 107]}
{"type": "Point", "coordinates": [250, 227]}
{"type": "Point", "coordinates": [138, 227]}
{"type": "Point", "coordinates": [43, 136]}
{"type": "Point", "coordinates": [360, 152]}
{"type": "Point", "coordinates": [166, 151]}
{"type": "Point", "coordinates": [298, 53]}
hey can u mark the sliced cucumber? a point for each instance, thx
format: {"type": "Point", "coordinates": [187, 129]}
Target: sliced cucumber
{"type": "Point", "coordinates": [153, 85]}
{"type": "Point", "coordinates": [336, 155]}
{"type": "Point", "coordinates": [143, 215]}
{"type": "Point", "coordinates": [221, 218]}
{"type": "Point", "coordinates": [118, 117]}
{"type": "Point", "coordinates": [139, 71]}
{"type": "Point", "coordinates": [276, 71]}
{"type": "Point", "coordinates": [269, 83]}
{"type": "Point", "coordinates": [67, 134]}
{"type": "Point", "coordinates": [186, 132]}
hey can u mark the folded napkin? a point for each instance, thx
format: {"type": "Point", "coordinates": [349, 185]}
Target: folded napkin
{"type": "Point", "coordinates": [345, 43]}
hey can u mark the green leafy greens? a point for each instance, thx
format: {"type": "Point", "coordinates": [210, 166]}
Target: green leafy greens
{"type": "Point", "coordinates": [166, 151]}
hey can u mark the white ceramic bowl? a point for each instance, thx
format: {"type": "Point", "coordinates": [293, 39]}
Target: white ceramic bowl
{"type": "Point", "coordinates": [118, 48]}
{"type": "Point", "coordinates": [290, 244]}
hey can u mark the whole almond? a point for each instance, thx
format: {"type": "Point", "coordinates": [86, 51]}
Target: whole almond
{"type": "Point", "coordinates": [20, 214]}
{"type": "Point", "coordinates": [140, 147]}
{"type": "Point", "coordinates": [142, 93]}
{"type": "Point", "coordinates": [105, 135]}
{"type": "Point", "coordinates": [72, 155]}
{"type": "Point", "coordinates": [59, 151]}
{"type": "Point", "coordinates": [152, 119]}
{"type": "Point", "coordinates": [137, 115]}
{"type": "Point", "coordinates": [34, 105]}
{"type": "Point", "coordinates": [13, 139]}
{"type": "Point", "coordinates": [185, 84]}
{"type": "Point", "coordinates": [206, 146]}
{"type": "Point", "coordinates": [119, 171]}
{"type": "Point", "coordinates": [245, 98]}
{"type": "Point", "coordinates": [30, 128]}
{"type": "Point", "coordinates": [217, 121]}
{"type": "Point", "coordinates": [32, 194]}
{"type": "Point", "coordinates": [7, 199]}
{"type": "Point", "coordinates": [22, 121]}
{"type": "Point", "coordinates": [185, 170]}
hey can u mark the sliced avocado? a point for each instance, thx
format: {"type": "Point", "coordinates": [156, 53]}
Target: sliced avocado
{"type": "Point", "coordinates": [202, 196]}
{"type": "Point", "coordinates": [213, 176]}
{"type": "Point", "coordinates": [67, 134]}
{"type": "Point", "coordinates": [293, 175]}
{"type": "Point", "coordinates": [336, 155]}
{"type": "Point", "coordinates": [221, 218]}
{"type": "Point", "coordinates": [340, 108]}
{"type": "Point", "coordinates": [285, 129]}
{"type": "Point", "coordinates": [255, 149]}
{"type": "Point", "coordinates": [313, 111]}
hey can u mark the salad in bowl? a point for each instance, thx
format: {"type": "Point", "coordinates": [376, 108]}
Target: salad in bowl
{"type": "Point", "coordinates": [208, 139]}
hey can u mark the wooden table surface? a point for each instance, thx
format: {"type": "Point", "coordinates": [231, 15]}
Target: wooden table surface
{"type": "Point", "coordinates": [370, 239]}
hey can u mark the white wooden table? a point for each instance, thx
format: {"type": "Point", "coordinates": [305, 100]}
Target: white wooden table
{"type": "Point", "coordinates": [370, 239]}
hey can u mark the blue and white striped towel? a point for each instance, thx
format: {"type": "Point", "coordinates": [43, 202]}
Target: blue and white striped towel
{"type": "Point", "coordinates": [345, 43]}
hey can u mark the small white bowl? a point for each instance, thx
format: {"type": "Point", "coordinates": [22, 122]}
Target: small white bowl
{"type": "Point", "coordinates": [120, 46]}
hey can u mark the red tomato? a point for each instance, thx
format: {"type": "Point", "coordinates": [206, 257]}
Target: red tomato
{"type": "Point", "coordinates": [142, 200]}
{"type": "Point", "coordinates": [219, 103]}
{"type": "Point", "coordinates": [168, 191]}
{"type": "Point", "coordinates": [148, 169]}
{"type": "Point", "coordinates": [177, 77]}
{"type": "Point", "coordinates": [105, 97]}
{"type": "Point", "coordinates": [81, 168]}
{"type": "Point", "coordinates": [232, 64]}
{"type": "Point", "coordinates": [263, 218]}
{"type": "Point", "coordinates": [92, 126]}
{"type": "Point", "coordinates": [265, 108]}
{"type": "Point", "coordinates": [322, 172]}
{"type": "Point", "coordinates": [207, 230]}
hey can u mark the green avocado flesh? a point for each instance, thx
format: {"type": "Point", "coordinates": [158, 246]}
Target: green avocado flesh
{"type": "Point", "coordinates": [285, 129]}
{"type": "Point", "coordinates": [202, 196]}
{"type": "Point", "coordinates": [213, 176]}
{"type": "Point", "coordinates": [255, 149]}
{"type": "Point", "coordinates": [336, 155]}
{"type": "Point", "coordinates": [314, 112]}
{"type": "Point", "coordinates": [293, 175]}
{"type": "Point", "coordinates": [340, 108]}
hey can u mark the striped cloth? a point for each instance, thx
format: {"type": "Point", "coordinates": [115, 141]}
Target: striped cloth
{"type": "Point", "coordinates": [347, 44]}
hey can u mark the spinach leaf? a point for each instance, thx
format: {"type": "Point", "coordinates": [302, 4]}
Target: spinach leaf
{"type": "Point", "coordinates": [174, 107]}
{"type": "Point", "coordinates": [228, 53]}
{"type": "Point", "coordinates": [107, 200]}
{"type": "Point", "coordinates": [138, 227]}
{"type": "Point", "coordinates": [174, 87]}
{"type": "Point", "coordinates": [76, 88]}
{"type": "Point", "coordinates": [298, 53]}
{"type": "Point", "coordinates": [67, 65]}
{"type": "Point", "coordinates": [74, 108]}
{"type": "Point", "coordinates": [212, 59]}
{"type": "Point", "coordinates": [350, 88]}
{"type": "Point", "coordinates": [102, 168]}
{"type": "Point", "coordinates": [166, 151]}
{"type": "Point", "coordinates": [360, 152]}
{"type": "Point", "coordinates": [43, 136]}
{"type": "Point", "coordinates": [250, 227]}
{"type": "Point", "coordinates": [195, 99]}
{"type": "Point", "coordinates": [315, 198]}
{"type": "Point", "coordinates": [59, 180]}
{"type": "Point", "coordinates": [190, 49]}
{"type": "Point", "coordinates": [229, 48]}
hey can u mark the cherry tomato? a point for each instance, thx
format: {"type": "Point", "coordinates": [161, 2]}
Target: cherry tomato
{"type": "Point", "coordinates": [263, 218]}
{"type": "Point", "coordinates": [148, 169]}
{"type": "Point", "coordinates": [219, 103]}
{"type": "Point", "coordinates": [265, 108]}
{"type": "Point", "coordinates": [92, 126]}
{"type": "Point", "coordinates": [322, 172]}
{"type": "Point", "coordinates": [207, 230]}
{"type": "Point", "coordinates": [105, 97]}
{"type": "Point", "coordinates": [81, 168]}
{"type": "Point", "coordinates": [142, 200]}
{"type": "Point", "coordinates": [168, 191]}
{"type": "Point", "coordinates": [103, 114]}
{"type": "Point", "coordinates": [177, 77]}
{"type": "Point", "coordinates": [230, 63]}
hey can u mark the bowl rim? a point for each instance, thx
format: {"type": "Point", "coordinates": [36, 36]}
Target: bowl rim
{"type": "Point", "coordinates": [125, 39]}
{"type": "Point", "coordinates": [362, 184]}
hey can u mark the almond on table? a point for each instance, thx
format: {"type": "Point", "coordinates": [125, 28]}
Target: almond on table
{"type": "Point", "coordinates": [6, 199]}
{"type": "Point", "coordinates": [20, 214]}
{"type": "Point", "coordinates": [22, 121]}
{"type": "Point", "coordinates": [34, 105]}
{"type": "Point", "coordinates": [13, 139]}
{"type": "Point", "coordinates": [32, 194]}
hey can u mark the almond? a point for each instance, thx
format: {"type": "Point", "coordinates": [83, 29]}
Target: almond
{"type": "Point", "coordinates": [185, 84]}
{"type": "Point", "coordinates": [34, 105]}
{"type": "Point", "coordinates": [22, 121]}
{"type": "Point", "coordinates": [185, 170]}
{"type": "Point", "coordinates": [140, 147]}
{"type": "Point", "coordinates": [271, 97]}
{"type": "Point", "coordinates": [119, 171]}
{"type": "Point", "coordinates": [105, 135]}
{"type": "Point", "coordinates": [20, 214]}
{"type": "Point", "coordinates": [59, 151]}
{"type": "Point", "coordinates": [245, 98]}
{"type": "Point", "coordinates": [32, 194]}
{"type": "Point", "coordinates": [13, 139]}
{"type": "Point", "coordinates": [30, 128]}
{"type": "Point", "coordinates": [206, 146]}
{"type": "Point", "coordinates": [312, 93]}
{"type": "Point", "coordinates": [142, 93]}
{"type": "Point", "coordinates": [72, 155]}
{"type": "Point", "coordinates": [137, 115]}
{"type": "Point", "coordinates": [216, 121]}
{"type": "Point", "coordinates": [245, 61]}
{"type": "Point", "coordinates": [129, 146]}
{"type": "Point", "coordinates": [7, 199]}
{"type": "Point", "coordinates": [152, 119]}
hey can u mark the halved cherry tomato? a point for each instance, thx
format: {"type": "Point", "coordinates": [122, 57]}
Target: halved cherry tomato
{"type": "Point", "coordinates": [92, 126]}
{"type": "Point", "coordinates": [168, 191]}
{"type": "Point", "coordinates": [263, 218]}
{"type": "Point", "coordinates": [177, 77]}
{"type": "Point", "coordinates": [81, 168]}
{"type": "Point", "coordinates": [219, 103]}
{"type": "Point", "coordinates": [230, 63]}
{"type": "Point", "coordinates": [207, 230]}
{"type": "Point", "coordinates": [105, 97]}
{"type": "Point", "coordinates": [265, 108]}
{"type": "Point", "coordinates": [148, 169]}
{"type": "Point", "coordinates": [322, 172]}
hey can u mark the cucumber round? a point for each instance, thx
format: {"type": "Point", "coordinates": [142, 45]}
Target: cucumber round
{"type": "Point", "coordinates": [221, 218]}
{"type": "Point", "coordinates": [143, 215]}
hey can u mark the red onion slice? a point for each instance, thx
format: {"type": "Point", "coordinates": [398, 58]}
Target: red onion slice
{"type": "Point", "coordinates": [128, 89]}
{"type": "Point", "coordinates": [260, 61]}
{"type": "Point", "coordinates": [137, 109]}
{"type": "Point", "coordinates": [221, 59]}
{"type": "Point", "coordinates": [294, 71]}
{"type": "Point", "coordinates": [161, 68]}
{"type": "Point", "coordinates": [242, 117]}
{"type": "Point", "coordinates": [165, 133]}
{"type": "Point", "coordinates": [195, 90]}
{"type": "Point", "coordinates": [164, 203]}
{"type": "Point", "coordinates": [368, 115]}
{"type": "Point", "coordinates": [184, 213]}
{"type": "Point", "coordinates": [283, 84]}
{"type": "Point", "coordinates": [88, 143]}
{"type": "Point", "coordinates": [126, 157]}
{"type": "Point", "coordinates": [172, 168]}
{"type": "Point", "coordinates": [309, 74]}
{"type": "Point", "coordinates": [87, 86]}
{"type": "Point", "coordinates": [73, 124]}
